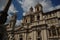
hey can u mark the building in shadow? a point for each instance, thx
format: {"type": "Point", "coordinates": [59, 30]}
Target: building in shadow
{"type": "Point", "coordinates": [3, 18]}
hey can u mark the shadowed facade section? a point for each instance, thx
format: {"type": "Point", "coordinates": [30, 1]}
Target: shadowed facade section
{"type": "Point", "coordinates": [3, 14]}
{"type": "Point", "coordinates": [3, 18]}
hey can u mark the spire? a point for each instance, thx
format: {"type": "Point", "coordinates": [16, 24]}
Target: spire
{"type": "Point", "coordinates": [31, 9]}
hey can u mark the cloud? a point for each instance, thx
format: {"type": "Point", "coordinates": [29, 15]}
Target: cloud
{"type": "Point", "coordinates": [12, 9]}
{"type": "Point", "coordinates": [26, 4]}
{"type": "Point", "coordinates": [47, 4]}
{"type": "Point", "coordinates": [57, 7]}
{"type": "Point", "coordinates": [18, 22]}
{"type": "Point", "coordinates": [53, 8]}
{"type": "Point", "coordinates": [3, 4]}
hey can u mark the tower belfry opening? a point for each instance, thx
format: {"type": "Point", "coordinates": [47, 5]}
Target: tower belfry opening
{"type": "Point", "coordinates": [38, 7]}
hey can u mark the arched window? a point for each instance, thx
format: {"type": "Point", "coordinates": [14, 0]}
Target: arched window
{"type": "Point", "coordinates": [26, 20]}
{"type": "Point", "coordinates": [38, 17]}
{"type": "Point", "coordinates": [37, 9]}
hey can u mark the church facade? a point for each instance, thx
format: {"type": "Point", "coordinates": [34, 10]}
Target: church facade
{"type": "Point", "coordinates": [37, 25]}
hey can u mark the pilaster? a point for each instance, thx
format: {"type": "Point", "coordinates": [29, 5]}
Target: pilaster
{"type": "Point", "coordinates": [44, 34]}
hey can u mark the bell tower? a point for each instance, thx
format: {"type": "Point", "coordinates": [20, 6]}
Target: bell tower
{"type": "Point", "coordinates": [38, 11]}
{"type": "Point", "coordinates": [38, 8]}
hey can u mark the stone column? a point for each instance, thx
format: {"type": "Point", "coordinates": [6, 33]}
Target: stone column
{"type": "Point", "coordinates": [44, 34]}
{"type": "Point", "coordinates": [34, 34]}
{"type": "Point", "coordinates": [41, 17]}
{"type": "Point", "coordinates": [35, 17]}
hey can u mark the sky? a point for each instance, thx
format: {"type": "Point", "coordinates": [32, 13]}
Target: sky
{"type": "Point", "coordinates": [22, 6]}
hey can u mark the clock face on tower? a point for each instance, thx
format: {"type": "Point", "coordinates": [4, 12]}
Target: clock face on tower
{"type": "Point", "coordinates": [3, 3]}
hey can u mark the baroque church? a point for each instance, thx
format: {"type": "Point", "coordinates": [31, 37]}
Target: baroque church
{"type": "Point", "coordinates": [36, 25]}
